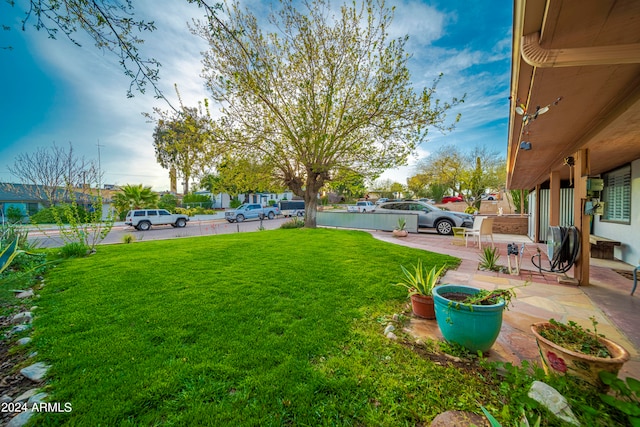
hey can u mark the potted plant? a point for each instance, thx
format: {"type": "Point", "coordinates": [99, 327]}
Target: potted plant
{"type": "Point", "coordinates": [470, 317]}
{"type": "Point", "coordinates": [420, 285]}
{"type": "Point", "coordinates": [400, 230]}
{"type": "Point", "coordinates": [568, 348]}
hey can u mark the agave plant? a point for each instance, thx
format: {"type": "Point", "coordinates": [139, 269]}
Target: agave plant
{"type": "Point", "coordinates": [8, 254]}
{"type": "Point", "coordinates": [489, 259]}
{"type": "Point", "coordinates": [420, 281]}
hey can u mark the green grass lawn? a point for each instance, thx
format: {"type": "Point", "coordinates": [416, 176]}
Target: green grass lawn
{"type": "Point", "coordinates": [278, 327]}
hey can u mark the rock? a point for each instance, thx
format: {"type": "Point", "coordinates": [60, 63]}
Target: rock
{"type": "Point", "coordinates": [35, 372]}
{"type": "Point", "coordinates": [19, 420]}
{"type": "Point", "coordinates": [389, 328]}
{"type": "Point", "coordinates": [23, 317]}
{"type": "Point", "coordinates": [24, 341]}
{"type": "Point", "coordinates": [391, 336]}
{"type": "Point", "coordinates": [5, 398]}
{"type": "Point", "coordinates": [395, 317]}
{"type": "Point", "coordinates": [452, 357]}
{"type": "Point", "coordinates": [33, 354]}
{"type": "Point", "coordinates": [553, 401]}
{"type": "Point", "coordinates": [25, 294]}
{"type": "Point", "coordinates": [26, 395]}
{"type": "Point", "coordinates": [37, 398]}
{"type": "Point", "coordinates": [19, 328]}
{"type": "Point", "coordinates": [459, 419]}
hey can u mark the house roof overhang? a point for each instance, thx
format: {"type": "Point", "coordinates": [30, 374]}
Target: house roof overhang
{"type": "Point", "coordinates": [582, 59]}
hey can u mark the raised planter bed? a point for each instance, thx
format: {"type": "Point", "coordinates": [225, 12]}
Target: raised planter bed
{"type": "Point", "coordinates": [510, 224]}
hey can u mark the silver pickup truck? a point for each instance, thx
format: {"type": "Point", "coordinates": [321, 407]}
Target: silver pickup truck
{"type": "Point", "coordinates": [250, 211]}
{"type": "Point", "coordinates": [362, 206]}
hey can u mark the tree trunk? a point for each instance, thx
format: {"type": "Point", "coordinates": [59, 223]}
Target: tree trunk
{"type": "Point", "coordinates": [310, 208]}
{"type": "Point", "coordinates": [314, 183]}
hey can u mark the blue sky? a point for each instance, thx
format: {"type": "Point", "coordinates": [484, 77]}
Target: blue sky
{"type": "Point", "coordinates": [55, 92]}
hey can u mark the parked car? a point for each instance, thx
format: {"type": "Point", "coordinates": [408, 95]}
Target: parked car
{"type": "Point", "coordinates": [382, 200]}
{"type": "Point", "coordinates": [251, 211]}
{"type": "Point", "coordinates": [143, 219]}
{"type": "Point", "coordinates": [428, 216]}
{"type": "Point", "coordinates": [489, 196]}
{"type": "Point", "coordinates": [427, 200]}
{"type": "Point", "coordinates": [452, 199]}
{"type": "Point", "coordinates": [362, 206]}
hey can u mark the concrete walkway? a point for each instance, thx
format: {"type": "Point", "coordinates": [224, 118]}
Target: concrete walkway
{"type": "Point", "coordinates": [607, 297]}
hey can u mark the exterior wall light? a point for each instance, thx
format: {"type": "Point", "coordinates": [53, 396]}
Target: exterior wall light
{"type": "Point", "coordinates": [526, 146]}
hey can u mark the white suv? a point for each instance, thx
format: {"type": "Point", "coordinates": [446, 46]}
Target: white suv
{"type": "Point", "coordinates": [143, 219]}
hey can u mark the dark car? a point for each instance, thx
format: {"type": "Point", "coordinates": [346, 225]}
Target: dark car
{"type": "Point", "coordinates": [451, 199]}
{"type": "Point", "coordinates": [428, 216]}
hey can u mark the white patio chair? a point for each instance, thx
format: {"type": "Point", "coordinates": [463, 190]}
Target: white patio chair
{"type": "Point", "coordinates": [486, 229]}
{"type": "Point", "coordinates": [474, 231]}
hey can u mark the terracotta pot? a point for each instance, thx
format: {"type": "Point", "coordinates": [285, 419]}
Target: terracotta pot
{"type": "Point", "coordinates": [400, 233]}
{"type": "Point", "coordinates": [560, 360]}
{"type": "Point", "coordinates": [423, 306]}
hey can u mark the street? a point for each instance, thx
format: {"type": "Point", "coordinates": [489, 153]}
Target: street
{"type": "Point", "coordinates": [50, 238]}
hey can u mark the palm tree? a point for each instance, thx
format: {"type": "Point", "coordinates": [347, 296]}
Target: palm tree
{"type": "Point", "coordinates": [134, 197]}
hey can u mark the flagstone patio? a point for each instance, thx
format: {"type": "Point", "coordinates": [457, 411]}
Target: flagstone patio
{"type": "Point", "coordinates": [539, 297]}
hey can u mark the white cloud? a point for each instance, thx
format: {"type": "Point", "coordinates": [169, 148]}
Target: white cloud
{"type": "Point", "coordinates": [422, 22]}
{"type": "Point", "coordinates": [94, 107]}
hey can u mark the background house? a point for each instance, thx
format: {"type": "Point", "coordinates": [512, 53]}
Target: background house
{"type": "Point", "coordinates": [29, 199]}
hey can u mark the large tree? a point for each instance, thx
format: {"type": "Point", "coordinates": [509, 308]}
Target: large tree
{"type": "Point", "coordinates": [183, 140]}
{"type": "Point", "coordinates": [469, 174]}
{"type": "Point", "coordinates": [348, 184]}
{"type": "Point", "coordinates": [49, 172]}
{"type": "Point", "coordinates": [320, 93]}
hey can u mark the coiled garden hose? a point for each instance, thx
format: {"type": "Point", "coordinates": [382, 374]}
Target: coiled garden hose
{"type": "Point", "coordinates": [564, 254]}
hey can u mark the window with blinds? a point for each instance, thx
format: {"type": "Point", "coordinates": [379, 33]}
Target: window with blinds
{"type": "Point", "coordinates": [617, 195]}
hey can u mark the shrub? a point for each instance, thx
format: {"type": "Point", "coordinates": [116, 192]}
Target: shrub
{"type": "Point", "coordinates": [198, 210]}
{"type": "Point", "coordinates": [293, 223]}
{"type": "Point", "coordinates": [74, 249]}
{"type": "Point", "coordinates": [471, 210]}
{"type": "Point", "coordinates": [197, 200]}
{"type": "Point", "coordinates": [128, 238]}
{"type": "Point", "coordinates": [14, 214]}
{"type": "Point", "coordinates": [185, 211]}
{"type": "Point", "coordinates": [55, 214]}
{"type": "Point", "coordinates": [516, 197]}
{"type": "Point", "coordinates": [85, 227]}
{"type": "Point", "coordinates": [234, 203]}
{"type": "Point", "coordinates": [168, 202]}
{"type": "Point", "coordinates": [45, 216]}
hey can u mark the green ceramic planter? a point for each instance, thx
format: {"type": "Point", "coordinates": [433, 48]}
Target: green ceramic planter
{"type": "Point", "coordinates": [475, 327]}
